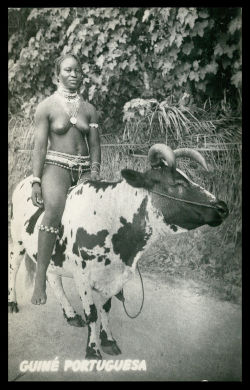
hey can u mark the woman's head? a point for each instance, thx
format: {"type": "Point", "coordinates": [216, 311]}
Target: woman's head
{"type": "Point", "coordinates": [69, 71]}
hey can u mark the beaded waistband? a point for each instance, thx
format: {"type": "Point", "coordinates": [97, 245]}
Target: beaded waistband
{"type": "Point", "coordinates": [74, 163]}
{"type": "Point", "coordinates": [66, 158]}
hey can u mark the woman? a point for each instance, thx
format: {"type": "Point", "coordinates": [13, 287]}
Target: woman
{"type": "Point", "coordinates": [68, 124]}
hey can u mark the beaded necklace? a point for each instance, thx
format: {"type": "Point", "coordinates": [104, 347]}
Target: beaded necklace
{"type": "Point", "coordinates": [69, 97]}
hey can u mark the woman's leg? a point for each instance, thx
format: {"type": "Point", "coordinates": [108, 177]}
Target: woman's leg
{"type": "Point", "coordinates": [55, 184]}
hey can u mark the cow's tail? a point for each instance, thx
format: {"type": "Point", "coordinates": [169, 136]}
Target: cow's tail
{"type": "Point", "coordinates": [30, 271]}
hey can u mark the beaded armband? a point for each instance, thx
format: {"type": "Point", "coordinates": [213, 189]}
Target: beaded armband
{"type": "Point", "coordinates": [94, 125]}
{"type": "Point", "coordinates": [49, 229]}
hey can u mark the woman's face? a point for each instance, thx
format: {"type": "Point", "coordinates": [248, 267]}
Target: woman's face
{"type": "Point", "coordinates": [70, 74]}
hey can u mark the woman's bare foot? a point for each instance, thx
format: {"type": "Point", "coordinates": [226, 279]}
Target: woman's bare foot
{"type": "Point", "coordinates": [39, 296]}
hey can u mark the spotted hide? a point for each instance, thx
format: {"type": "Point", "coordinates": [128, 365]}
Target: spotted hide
{"type": "Point", "coordinates": [105, 228]}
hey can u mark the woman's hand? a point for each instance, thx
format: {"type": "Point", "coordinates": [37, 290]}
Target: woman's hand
{"type": "Point", "coordinates": [36, 196]}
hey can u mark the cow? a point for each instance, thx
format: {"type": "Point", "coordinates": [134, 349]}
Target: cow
{"type": "Point", "coordinates": [105, 228]}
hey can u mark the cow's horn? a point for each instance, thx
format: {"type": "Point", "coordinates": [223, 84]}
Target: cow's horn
{"type": "Point", "coordinates": [160, 152]}
{"type": "Point", "coordinates": [193, 154]}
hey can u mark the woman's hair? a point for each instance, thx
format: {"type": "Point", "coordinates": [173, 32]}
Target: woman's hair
{"type": "Point", "coordinates": [60, 59]}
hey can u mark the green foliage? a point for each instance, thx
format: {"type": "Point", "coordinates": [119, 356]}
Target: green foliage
{"type": "Point", "coordinates": [126, 53]}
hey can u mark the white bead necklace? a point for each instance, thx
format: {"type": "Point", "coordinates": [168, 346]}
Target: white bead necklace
{"type": "Point", "coordinates": [66, 94]}
{"type": "Point", "coordinates": [68, 97]}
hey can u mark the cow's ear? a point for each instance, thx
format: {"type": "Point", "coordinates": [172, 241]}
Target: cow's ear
{"type": "Point", "coordinates": [137, 179]}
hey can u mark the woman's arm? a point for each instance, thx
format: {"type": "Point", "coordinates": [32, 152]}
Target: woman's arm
{"type": "Point", "coordinates": [94, 145]}
{"type": "Point", "coordinates": [39, 151]}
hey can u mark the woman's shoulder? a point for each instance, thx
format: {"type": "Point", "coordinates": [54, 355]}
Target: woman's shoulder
{"type": "Point", "coordinates": [90, 107]}
{"type": "Point", "coordinates": [90, 110]}
{"type": "Point", "coordinates": [46, 104]}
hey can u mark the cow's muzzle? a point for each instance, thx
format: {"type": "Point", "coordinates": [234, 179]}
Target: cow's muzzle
{"type": "Point", "coordinates": [222, 213]}
{"type": "Point", "coordinates": [222, 209]}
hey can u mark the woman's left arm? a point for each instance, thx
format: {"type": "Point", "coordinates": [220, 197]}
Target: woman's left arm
{"type": "Point", "coordinates": [94, 145]}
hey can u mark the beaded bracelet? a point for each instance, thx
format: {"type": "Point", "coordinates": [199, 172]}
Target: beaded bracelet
{"type": "Point", "coordinates": [95, 167]}
{"type": "Point", "coordinates": [95, 125]}
{"type": "Point", "coordinates": [95, 163]}
{"type": "Point", "coordinates": [36, 180]}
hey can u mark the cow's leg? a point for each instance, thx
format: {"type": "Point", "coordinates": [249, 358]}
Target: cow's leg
{"type": "Point", "coordinates": [69, 313]}
{"type": "Point", "coordinates": [108, 343]}
{"type": "Point", "coordinates": [15, 258]}
{"type": "Point", "coordinates": [90, 312]}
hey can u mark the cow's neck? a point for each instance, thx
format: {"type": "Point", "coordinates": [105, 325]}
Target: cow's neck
{"type": "Point", "coordinates": [133, 232]}
{"type": "Point", "coordinates": [146, 222]}
{"type": "Point", "coordinates": [161, 225]}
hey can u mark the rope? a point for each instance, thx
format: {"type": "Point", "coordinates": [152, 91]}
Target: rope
{"type": "Point", "coordinates": [171, 197]}
{"type": "Point", "coordinates": [123, 301]}
{"type": "Point", "coordinates": [183, 200]}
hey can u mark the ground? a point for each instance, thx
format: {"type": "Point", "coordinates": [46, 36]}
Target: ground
{"type": "Point", "coordinates": [183, 336]}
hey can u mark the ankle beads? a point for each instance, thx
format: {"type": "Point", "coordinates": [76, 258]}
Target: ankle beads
{"type": "Point", "coordinates": [49, 229]}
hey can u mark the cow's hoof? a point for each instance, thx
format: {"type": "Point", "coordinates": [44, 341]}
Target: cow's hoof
{"type": "Point", "coordinates": [111, 348]}
{"type": "Point", "coordinates": [76, 321]}
{"type": "Point", "coordinates": [93, 354]}
{"type": "Point", "coordinates": [13, 307]}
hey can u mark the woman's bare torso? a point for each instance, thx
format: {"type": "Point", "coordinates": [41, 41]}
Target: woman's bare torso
{"type": "Point", "coordinates": [63, 136]}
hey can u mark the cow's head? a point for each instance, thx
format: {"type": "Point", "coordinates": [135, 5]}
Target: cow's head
{"type": "Point", "coordinates": [181, 201]}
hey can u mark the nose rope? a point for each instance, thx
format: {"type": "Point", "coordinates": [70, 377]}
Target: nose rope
{"type": "Point", "coordinates": [142, 302]}
{"type": "Point", "coordinates": [170, 197]}
{"type": "Point", "coordinates": [183, 200]}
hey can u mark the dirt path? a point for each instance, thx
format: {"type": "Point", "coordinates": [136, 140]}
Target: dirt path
{"type": "Point", "coordinates": [181, 336]}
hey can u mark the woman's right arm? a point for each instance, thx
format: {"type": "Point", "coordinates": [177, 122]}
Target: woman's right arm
{"type": "Point", "coordinates": [39, 151]}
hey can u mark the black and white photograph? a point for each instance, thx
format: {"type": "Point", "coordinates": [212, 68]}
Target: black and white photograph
{"type": "Point", "coordinates": [125, 194]}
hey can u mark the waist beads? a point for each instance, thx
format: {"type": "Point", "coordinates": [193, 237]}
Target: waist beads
{"type": "Point", "coordinates": [71, 162]}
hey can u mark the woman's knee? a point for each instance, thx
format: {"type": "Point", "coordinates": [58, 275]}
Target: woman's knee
{"type": "Point", "coordinates": [54, 211]}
